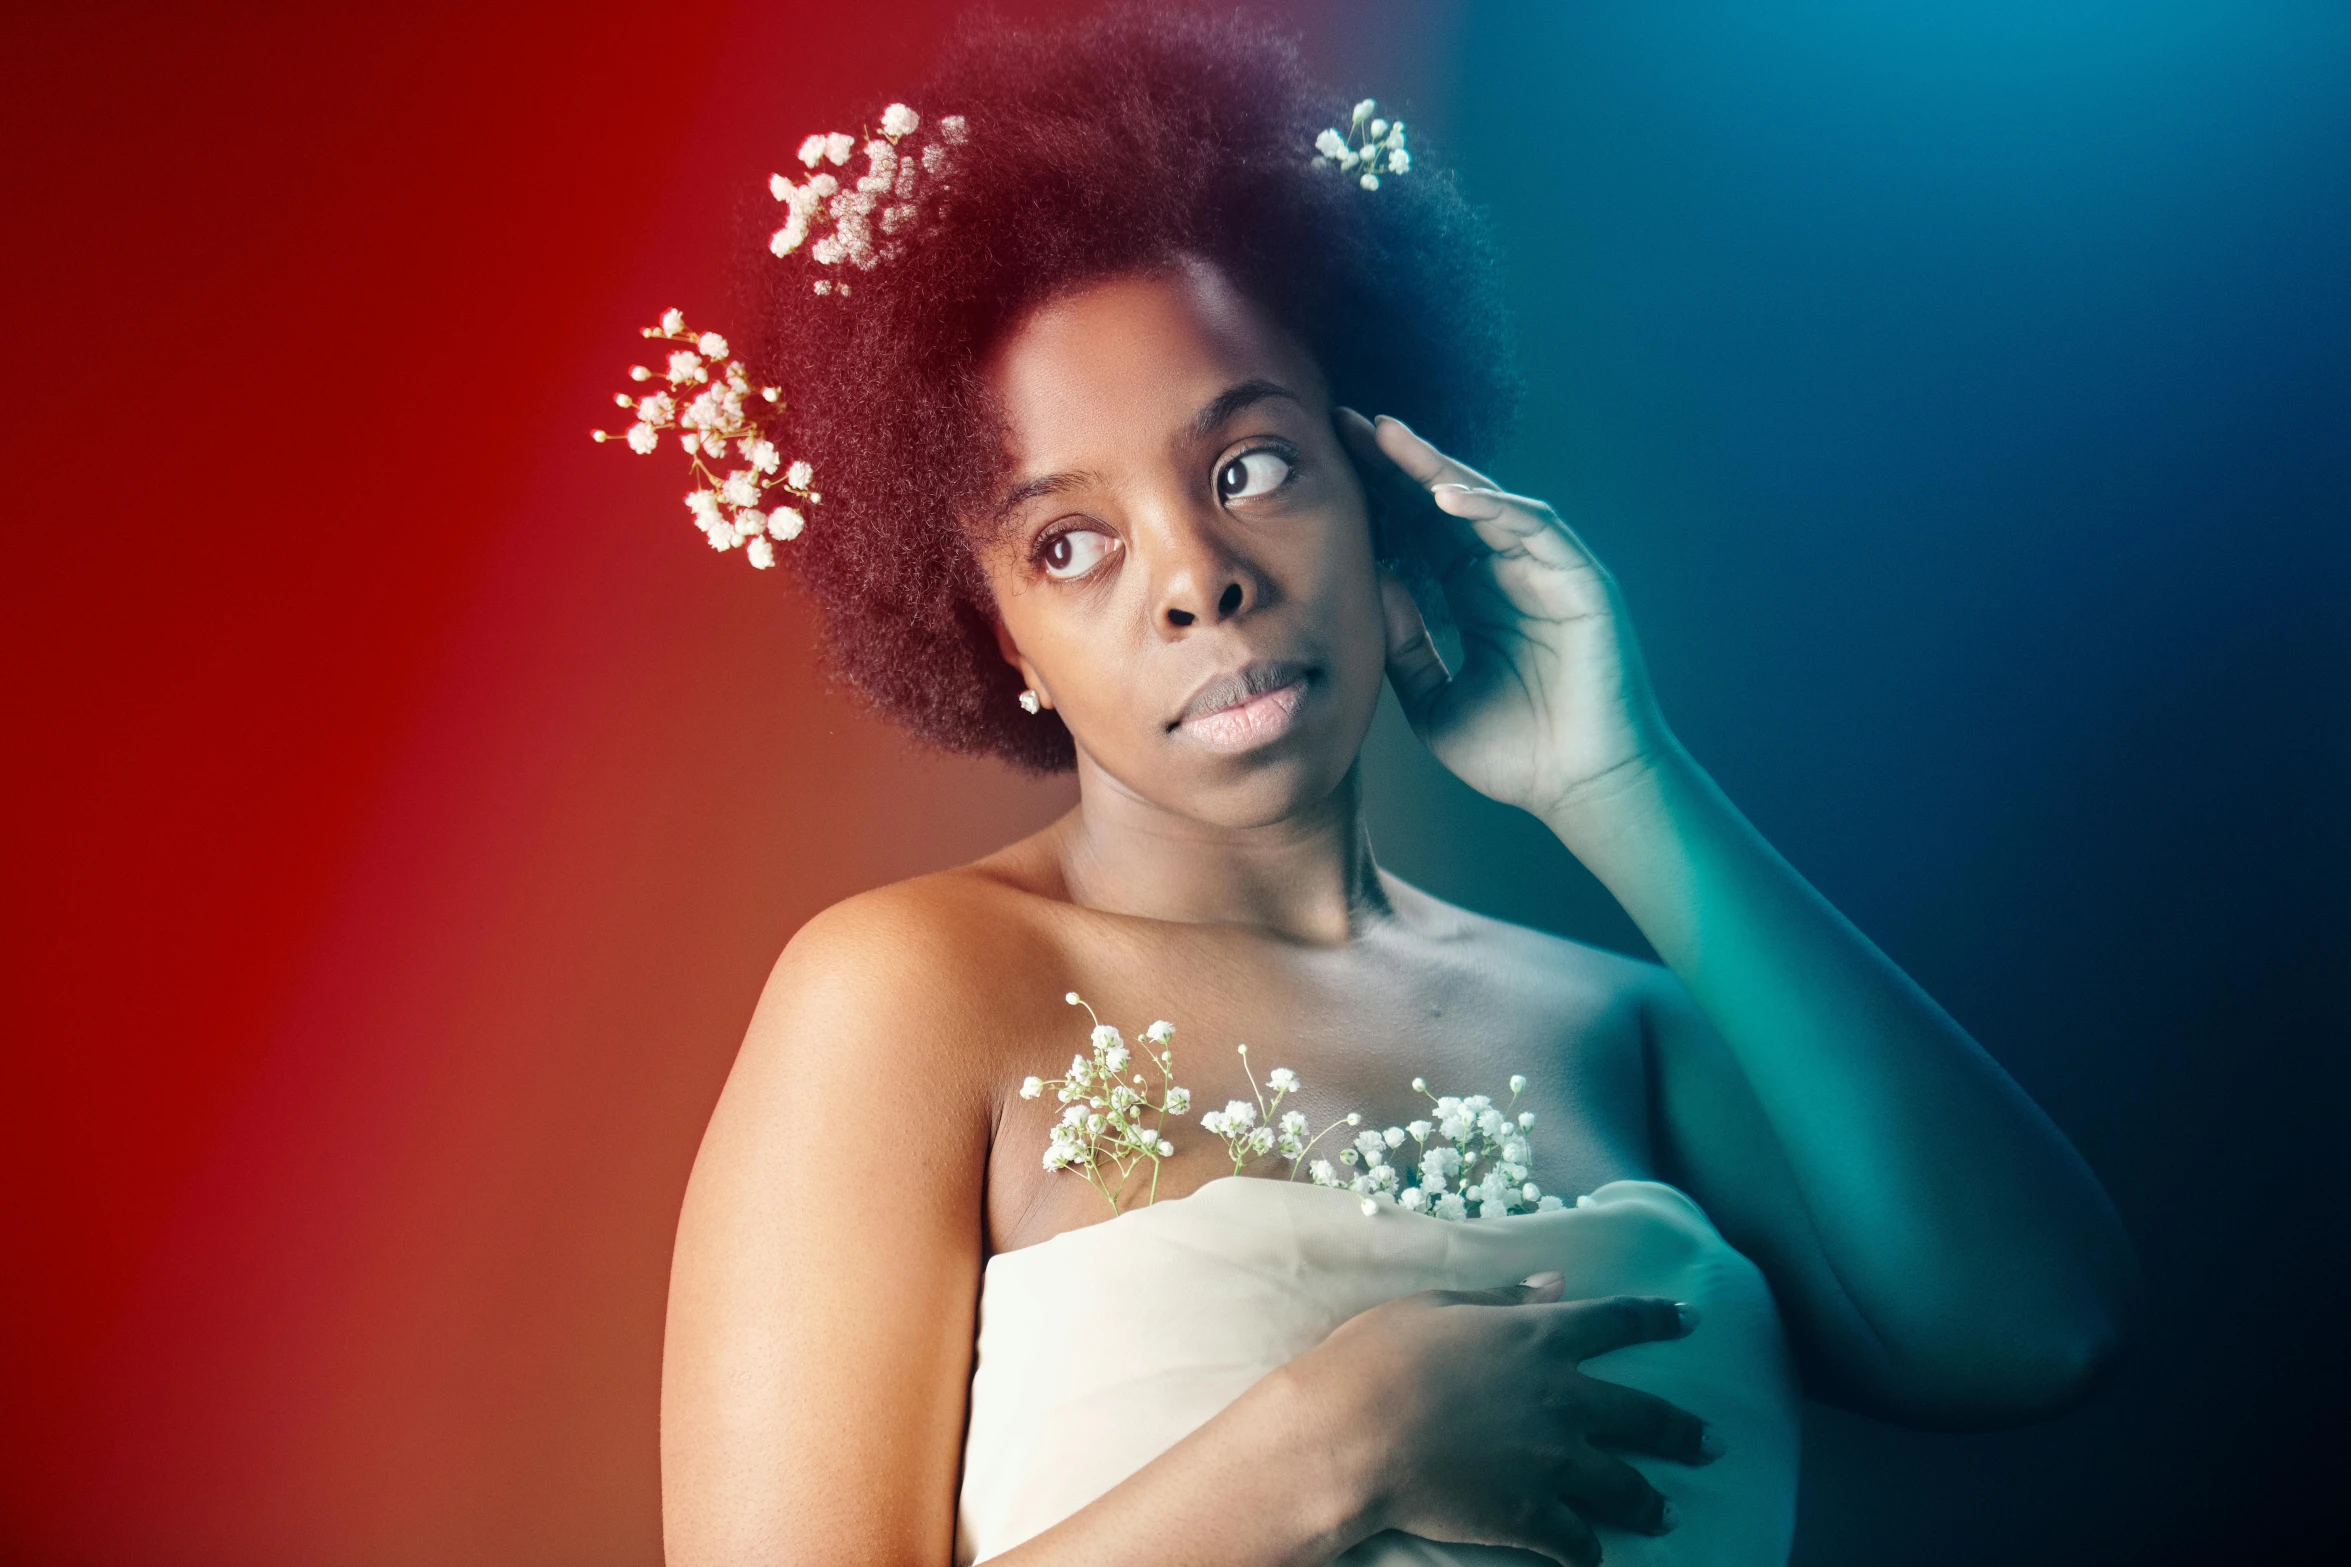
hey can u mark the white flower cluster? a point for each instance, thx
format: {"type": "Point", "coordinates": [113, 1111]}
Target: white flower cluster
{"type": "Point", "coordinates": [1481, 1163]}
{"type": "Point", "coordinates": [718, 415]}
{"type": "Point", "coordinates": [1111, 1123]}
{"type": "Point", "coordinates": [1371, 147]}
{"type": "Point", "coordinates": [1253, 1130]}
{"type": "Point", "coordinates": [873, 208]}
{"type": "Point", "coordinates": [1484, 1159]}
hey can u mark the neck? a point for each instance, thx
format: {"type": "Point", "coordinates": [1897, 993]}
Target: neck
{"type": "Point", "coordinates": [1309, 877]}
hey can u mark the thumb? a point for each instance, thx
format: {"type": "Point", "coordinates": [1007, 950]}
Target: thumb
{"type": "Point", "coordinates": [1540, 1290]}
{"type": "Point", "coordinates": [1543, 1288]}
{"type": "Point", "coordinates": [1414, 667]}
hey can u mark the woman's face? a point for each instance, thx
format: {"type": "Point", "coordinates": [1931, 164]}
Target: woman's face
{"type": "Point", "coordinates": [1185, 571]}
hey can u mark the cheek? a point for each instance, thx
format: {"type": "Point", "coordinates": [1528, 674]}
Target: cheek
{"type": "Point", "coordinates": [1349, 590]}
{"type": "Point", "coordinates": [1075, 654]}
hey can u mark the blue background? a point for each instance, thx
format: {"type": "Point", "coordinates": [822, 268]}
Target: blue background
{"type": "Point", "coordinates": [1962, 394]}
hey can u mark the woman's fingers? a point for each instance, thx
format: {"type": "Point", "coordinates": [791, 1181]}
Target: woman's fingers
{"type": "Point", "coordinates": [1542, 1289]}
{"type": "Point", "coordinates": [1547, 1287]}
{"type": "Point", "coordinates": [1511, 524]}
{"type": "Point", "coordinates": [1552, 1527]}
{"type": "Point", "coordinates": [1479, 517]}
{"type": "Point", "coordinates": [1620, 1417]}
{"type": "Point", "coordinates": [1594, 1327]}
{"type": "Point", "coordinates": [1397, 494]}
{"type": "Point", "coordinates": [1421, 460]}
{"type": "Point", "coordinates": [1609, 1490]}
{"type": "Point", "coordinates": [1413, 662]}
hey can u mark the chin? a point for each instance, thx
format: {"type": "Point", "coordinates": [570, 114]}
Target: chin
{"type": "Point", "coordinates": [1284, 778]}
{"type": "Point", "coordinates": [1273, 792]}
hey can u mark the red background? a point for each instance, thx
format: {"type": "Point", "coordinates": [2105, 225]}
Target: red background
{"type": "Point", "coordinates": [404, 806]}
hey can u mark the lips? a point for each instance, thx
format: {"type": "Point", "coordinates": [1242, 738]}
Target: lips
{"type": "Point", "coordinates": [1246, 708]}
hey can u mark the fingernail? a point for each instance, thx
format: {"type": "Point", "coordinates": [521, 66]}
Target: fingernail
{"type": "Point", "coordinates": [1543, 1281]}
{"type": "Point", "coordinates": [1710, 1444]}
{"type": "Point", "coordinates": [1668, 1516]}
{"type": "Point", "coordinates": [1449, 485]}
{"type": "Point", "coordinates": [1689, 1315]}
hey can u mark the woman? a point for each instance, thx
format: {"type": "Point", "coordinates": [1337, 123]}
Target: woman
{"type": "Point", "coordinates": [1092, 489]}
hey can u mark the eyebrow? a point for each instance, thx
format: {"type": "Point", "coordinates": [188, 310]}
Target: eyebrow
{"type": "Point", "coordinates": [1036, 489]}
{"type": "Point", "coordinates": [1219, 411]}
{"type": "Point", "coordinates": [1231, 401]}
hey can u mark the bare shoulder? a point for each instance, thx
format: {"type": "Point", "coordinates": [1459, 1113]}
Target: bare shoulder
{"type": "Point", "coordinates": [914, 939]}
{"type": "Point", "coordinates": [909, 976]}
{"type": "Point", "coordinates": [1553, 972]}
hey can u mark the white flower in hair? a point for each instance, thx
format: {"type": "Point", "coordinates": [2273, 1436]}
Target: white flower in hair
{"type": "Point", "coordinates": [895, 170]}
{"type": "Point", "coordinates": [1368, 145]}
{"type": "Point", "coordinates": [862, 224]}
{"type": "Point", "coordinates": [732, 510]}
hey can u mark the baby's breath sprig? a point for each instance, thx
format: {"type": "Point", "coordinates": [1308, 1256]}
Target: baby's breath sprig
{"type": "Point", "coordinates": [1482, 1156]}
{"type": "Point", "coordinates": [721, 414]}
{"type": "Point", "coordinates": [882, 198]}
{"type": "Point", "coordinates": [1371, 146]}
{"type": "Point", "coordinates": [1111, 1122]}
{"type": "Point", "coordinates": [1448, 1178]}
{"type": "Point", "coordinates": [1251, 1131]}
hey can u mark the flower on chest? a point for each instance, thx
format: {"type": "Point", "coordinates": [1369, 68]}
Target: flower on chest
{"type": "Point", "coordinates": [1469, 1157]}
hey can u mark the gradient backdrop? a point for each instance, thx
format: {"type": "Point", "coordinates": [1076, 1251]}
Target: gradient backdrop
{"type": "Point", "coordinates": [404, 807]}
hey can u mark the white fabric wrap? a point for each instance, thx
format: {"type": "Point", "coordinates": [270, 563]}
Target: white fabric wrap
{"type": "Point", "coordinates": [1102, 1347]}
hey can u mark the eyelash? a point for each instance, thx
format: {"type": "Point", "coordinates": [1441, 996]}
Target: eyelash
{"type": "Point", "coordinates": [1283, 449]}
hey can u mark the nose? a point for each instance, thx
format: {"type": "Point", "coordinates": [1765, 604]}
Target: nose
{"type": "Point", "coordinates": [1228, 604]}
{"type": "Point", "coordinates": [1199, 577]}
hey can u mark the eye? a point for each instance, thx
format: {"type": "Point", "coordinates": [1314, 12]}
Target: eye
{"type": "Point", "coordinates": [1069, 555]}
{"type": "Point", "coordinates": [1250, 475]}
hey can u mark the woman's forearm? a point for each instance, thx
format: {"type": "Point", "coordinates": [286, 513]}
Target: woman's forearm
{"type": "Point", "coordinates": [1963, 1228]}
{"type": "Point", "coordinates": [1260, 1485]}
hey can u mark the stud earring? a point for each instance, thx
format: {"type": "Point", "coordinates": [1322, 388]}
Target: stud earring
{"type": "Point", "coordinates": [1029, 703]}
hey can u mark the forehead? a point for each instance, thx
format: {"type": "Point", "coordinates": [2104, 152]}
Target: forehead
{"type": "Point", "coordinates": [1134, 359]}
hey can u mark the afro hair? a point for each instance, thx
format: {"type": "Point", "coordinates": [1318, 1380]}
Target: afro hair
{"type": "Point", "coordinates": [1109, 147]}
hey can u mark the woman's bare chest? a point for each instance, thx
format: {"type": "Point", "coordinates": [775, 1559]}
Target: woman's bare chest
{"type": "Point", "coordinates": [1355, 1030]}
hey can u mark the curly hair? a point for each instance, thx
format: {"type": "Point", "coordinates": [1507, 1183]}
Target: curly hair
{"type": "Point", "coordinates": [1111, 147]}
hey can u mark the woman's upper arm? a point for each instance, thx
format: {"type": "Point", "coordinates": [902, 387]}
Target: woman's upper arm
{"type": "Point", "coordinates": [828, 1258]}
{"type": "Point", "coordinates": [1714, 1141]}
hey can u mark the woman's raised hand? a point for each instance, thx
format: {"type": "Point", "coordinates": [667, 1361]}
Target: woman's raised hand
{"type": "Point", "coordinates": [1551, 695]}
{"type": "Point", "coordinates": [1461, 1416]}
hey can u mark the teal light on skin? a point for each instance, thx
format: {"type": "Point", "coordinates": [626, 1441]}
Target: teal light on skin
{"type": "Point", "coordinates": [1968, 1265]}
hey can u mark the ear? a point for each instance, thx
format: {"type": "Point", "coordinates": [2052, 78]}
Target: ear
{"type": "Point", "coordinates": [1011, 651]}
